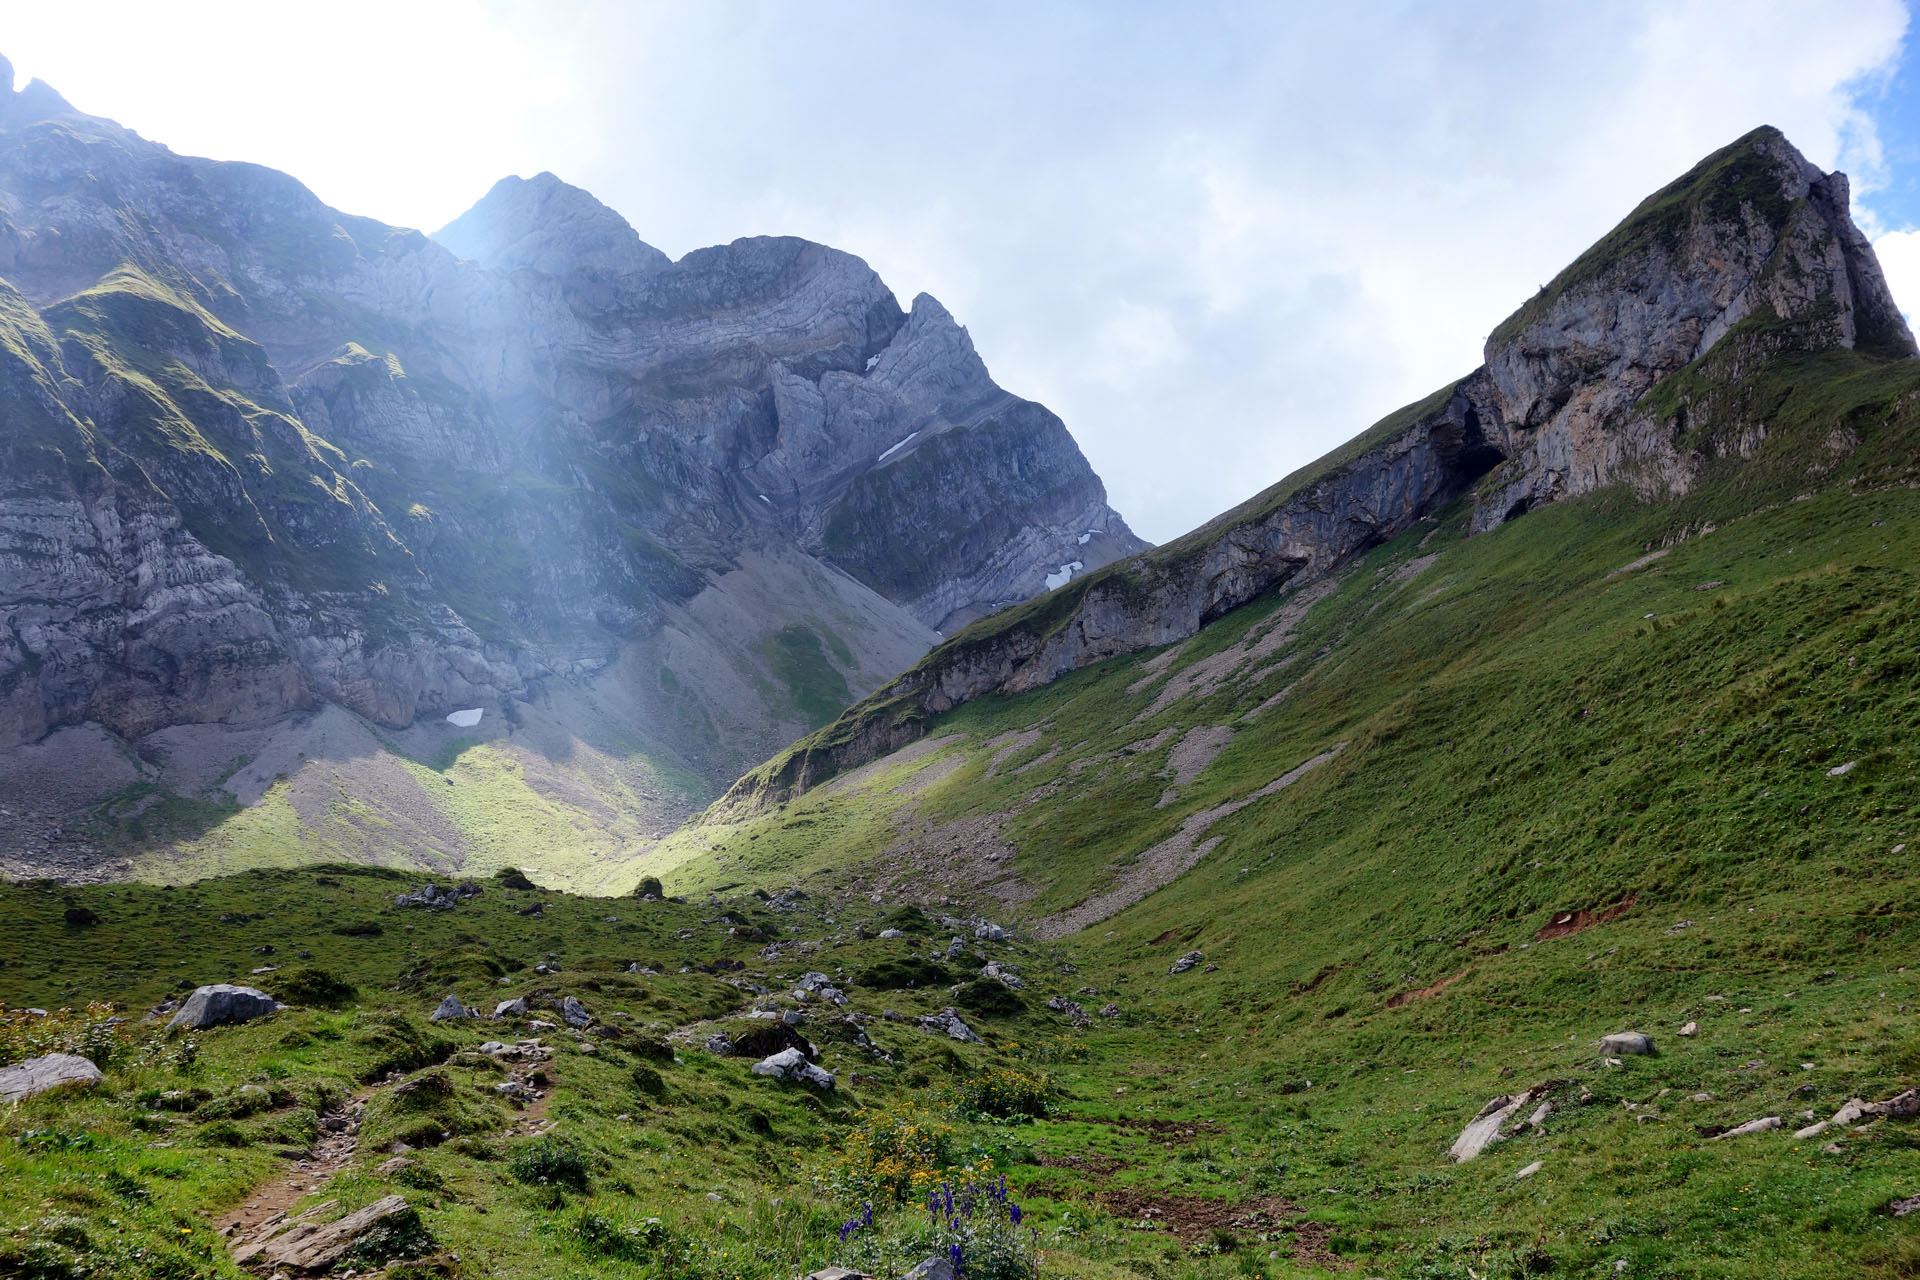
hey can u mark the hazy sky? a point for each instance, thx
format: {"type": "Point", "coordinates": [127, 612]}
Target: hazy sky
{"type": "Point", "coordinates": [1217, 238]}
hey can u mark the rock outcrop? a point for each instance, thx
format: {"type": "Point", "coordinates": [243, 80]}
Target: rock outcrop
{"type": "Point", "coordinates": [1752, 250]}
{"type": "Point", "coordinates": [35, 1076]}
{"type": "Point", "coordinates": [222, 1003]}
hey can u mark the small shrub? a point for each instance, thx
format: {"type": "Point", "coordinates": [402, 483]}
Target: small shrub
{"type": "Point", "coordinates": [605, 1237]}
{"type": "Point", "coordinates": [316, 989]}
{"type": "Point", "coordinates": [988, 998]}
{"type": "Point", "coordinates": [893, 975]}
{"type": "Point", "coordinates": [550, 1162]}
{"type": "Point", "coordinates": [649, 1081]}
{"type": "Point", "coordinates": [514, 878]}
{"type": "Point", "coordinates": [359, 929]}
{"type": "Point", "coordinates": [649, 885]}
{"type": "Point", "coordinates": [1004, 1093]}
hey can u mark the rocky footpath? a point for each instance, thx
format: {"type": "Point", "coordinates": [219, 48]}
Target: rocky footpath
{"type": "Point", "coordinates": [1754, 241]}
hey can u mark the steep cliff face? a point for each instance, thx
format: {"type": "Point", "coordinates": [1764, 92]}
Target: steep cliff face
{"type": "Point", "coordinates": [1750, 257]}
{"type": "Point", "coordinates": [260, 457]}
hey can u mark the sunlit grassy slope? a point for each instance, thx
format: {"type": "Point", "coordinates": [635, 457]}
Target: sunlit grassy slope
{"type": "Point", "coordinates": [1696, 720]}
{"type": "Point", "coordinates": [1701, 714]}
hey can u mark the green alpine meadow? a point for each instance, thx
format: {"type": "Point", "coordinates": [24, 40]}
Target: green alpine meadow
{"type": "Point", "coordinates": [522, 756]}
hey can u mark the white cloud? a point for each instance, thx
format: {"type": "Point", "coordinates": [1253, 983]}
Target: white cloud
{"type": "Point", "coordinates": [1899, 254]}
{"type": "Point", "coordinates": [1218, 239]}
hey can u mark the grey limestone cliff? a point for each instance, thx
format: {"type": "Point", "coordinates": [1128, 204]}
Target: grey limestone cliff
{"type": "Point", "coordinates": [259, 457]}
{"type": "Point", "coordinates": [1751, 253]}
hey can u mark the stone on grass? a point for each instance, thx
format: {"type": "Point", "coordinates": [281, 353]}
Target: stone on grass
{"type": "Point", "coordinates": [1109, 1010]}
{"type": "Point", "coordinates": [939, 1267]}
{"type": "Point", "coordinates": [1691, 1029]}
{"type": "Point", "coordinates": [987, 931]}
{"type": "Point", "coordinates": [574, 1013]}
{"type": "Point", "coordinates": [310, 1246]}
{"type": "Point", "coordinates": [514, 1008]}
{"type": "Point", "coordinates": [44, 1074]}
{"type": "Point", "coordinates": [221, 1003]}
{"type": "Point", "coordinates": [719, 1044]}
{"type": "Point", "coordinates": [1530, 1170]}
{"type": "Point", "coordinates": [1485, 1127]}
{"type": "Point", "coordinates": [948, 1023]}
{"type": "Point", "coordinates": [1763, 1125]}
{"type": "Point", "coordinates": [791, 1064]}
{"type": "Point", "coordinates": [452, 1008]}
{"type": "Point", "coordinates": [1186, 962]}
{"type": "Point", "coordinates": [1624, 1043]}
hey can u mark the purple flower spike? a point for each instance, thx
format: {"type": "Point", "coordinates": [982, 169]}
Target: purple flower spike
{"type": "Point", "coordinates": [1013, 1211]}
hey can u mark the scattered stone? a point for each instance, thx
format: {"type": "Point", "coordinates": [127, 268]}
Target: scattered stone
{"type": "Point", "coordinates": [1811, 1131]}
{"type": "Point", "coordinates": [438, 897]}
{"type": "Point", "coordinates": [1109, 1010]}
{"type": "Point", "coordinates": [955, 948]}
{"type": "Point", "coordinates": [514, 1008]}
{"type": "Point", "coordinates": [1530, 1170]}
{"type": "Point", "coordinates": [948, 1023]}
{"type": "Point", "coordinates": [791, 1064]}
{"type": "Point", "coordinates": [452, 1008]}
{"type": "Point", "coordinates": [1540, 1114]}
{"type": "Point", "coordinates": [719, 1044]}
{"type": "Point", "coordinates": [1762, 1125]}
{"type": "Point", "coordinates": [987, 931]}
{"type": "Point", "coordinates": [1842, 770]}
{"type": "Point", "coordinates": [310, 1246]}
{"type": "Point", "coordinates": [1701, 1097]}
{"type": "Point", "coordinates": [1485, 1127]}
{"type": "Point", "coordinates": [892, 933]}
{"type": "Point", "coordinates": [390, 1167]}
{"type": "Point", "coordinates": [44, 1074]}
{"type": "Point", "coordinates": [222, 1003]}
{"type": "Point", "coordinates": [515, 1090]}
{"type": "Point", "coordinates": [938, 1267]}
{"type": "Point", "coordinates": [1832, 1148]}
{"type": "Point", "coordinates": [574, 1013]}
{"type": "Point", "coordinates": [1186, 962]}
{"type": "Point", "coordinates": [1901, 1208]}
{"type": "Point", "coordinates": [1691, 1029]}
{"type": "Point", "coordinates": [1006, 974]}
{"type": "Point", "coordinates": [1627, 1042]}
{"type": "Point", "coordinates": [1072, 1008]}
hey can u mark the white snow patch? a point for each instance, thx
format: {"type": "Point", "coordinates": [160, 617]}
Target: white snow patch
{"type": "Point", "coordinates": [764, 498]}
{"type": "Point", "coordinates": [872, 361]}
{"type": "Point", "coordinates": [1085, 537]}
{"type": "Point", "coordinates": [466, 719]}
{"type": "Point", "coordinates": [903, 444]}
{"type": "Point", "coordinates": [1065, 575]}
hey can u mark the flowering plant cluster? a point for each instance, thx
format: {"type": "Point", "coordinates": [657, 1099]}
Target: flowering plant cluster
{"type": "Point", "coordinates": [890, 1156]}
{"type": "Point", "coordinates": [94, 1033]}
{"type": "Point", "coordinates": [975, 1225]}
{"type": "Point", "coordinates": [1003, 1093]}
{"type": "Point", "coordinates": [978, 1228]}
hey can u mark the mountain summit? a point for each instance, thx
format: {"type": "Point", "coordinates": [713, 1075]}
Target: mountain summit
{"type": "Point", "coordinates": [284, 487]}
{"type": "Point", "coordinates": [1632, 369]}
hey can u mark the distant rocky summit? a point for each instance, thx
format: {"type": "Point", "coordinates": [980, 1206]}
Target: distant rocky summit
{"type": "Point", "coordinates": [278, 482]}
{"type": "Point", "coordinates": [1625, 372]}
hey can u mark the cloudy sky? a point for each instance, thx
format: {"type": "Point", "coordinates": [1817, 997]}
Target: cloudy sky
{"type": "Point", "coordinates": [1217, 238]}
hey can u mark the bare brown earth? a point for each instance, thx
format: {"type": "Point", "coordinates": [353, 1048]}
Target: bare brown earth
{"type": "Point", "coordinates": [1567, 923]}
{"type": "Point", "coordinates": [1196, 1218]}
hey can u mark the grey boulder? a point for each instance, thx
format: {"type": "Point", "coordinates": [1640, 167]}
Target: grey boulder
{"type": "Point", "coordinates": [514, 1008]}
{"type": "Point", "coordinates": [452, 1008]}
{"type": "Point", "coordinates": [1187, 962]}
{"type": "Point", "coordinates": [948, 1023]}
{"type": "Point", "coordinates": [791, 1064]}
{"type": "Point", "coordinates": [222, 1003]}
{"type": "Point", "coordinates": [36, 1076]}
{"type": "Point", "coordinates": [1624, 1043]}
{"type": "Point", "coordinates": [574, 1014]}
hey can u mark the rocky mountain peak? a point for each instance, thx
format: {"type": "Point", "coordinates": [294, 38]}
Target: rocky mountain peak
{"type": "Point", "coordinates": [549, 226]}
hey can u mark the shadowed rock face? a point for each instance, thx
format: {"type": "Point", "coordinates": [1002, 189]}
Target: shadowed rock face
{"type": "Point", "coordinates": [258, 456]}
{"type": "Point", "coordinates": [1754, 241]}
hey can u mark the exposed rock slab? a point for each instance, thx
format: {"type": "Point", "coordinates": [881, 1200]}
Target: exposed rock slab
{"type": "Point", "coordinates": [35, 1076]}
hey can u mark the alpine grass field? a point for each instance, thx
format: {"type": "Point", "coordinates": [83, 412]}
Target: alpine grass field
{"type": "Point", "coordinates": [1289, 903]}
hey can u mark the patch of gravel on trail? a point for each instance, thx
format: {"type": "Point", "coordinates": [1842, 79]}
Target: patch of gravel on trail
{"type": "Point", "coordinates": [1008, 744]}
{"type": "Point", "coordinates": [1193, 753]}
{"type": "Point", "coordinates": [1161, 864]}
{"type": "Point", "coordinates": [1262, 640]}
